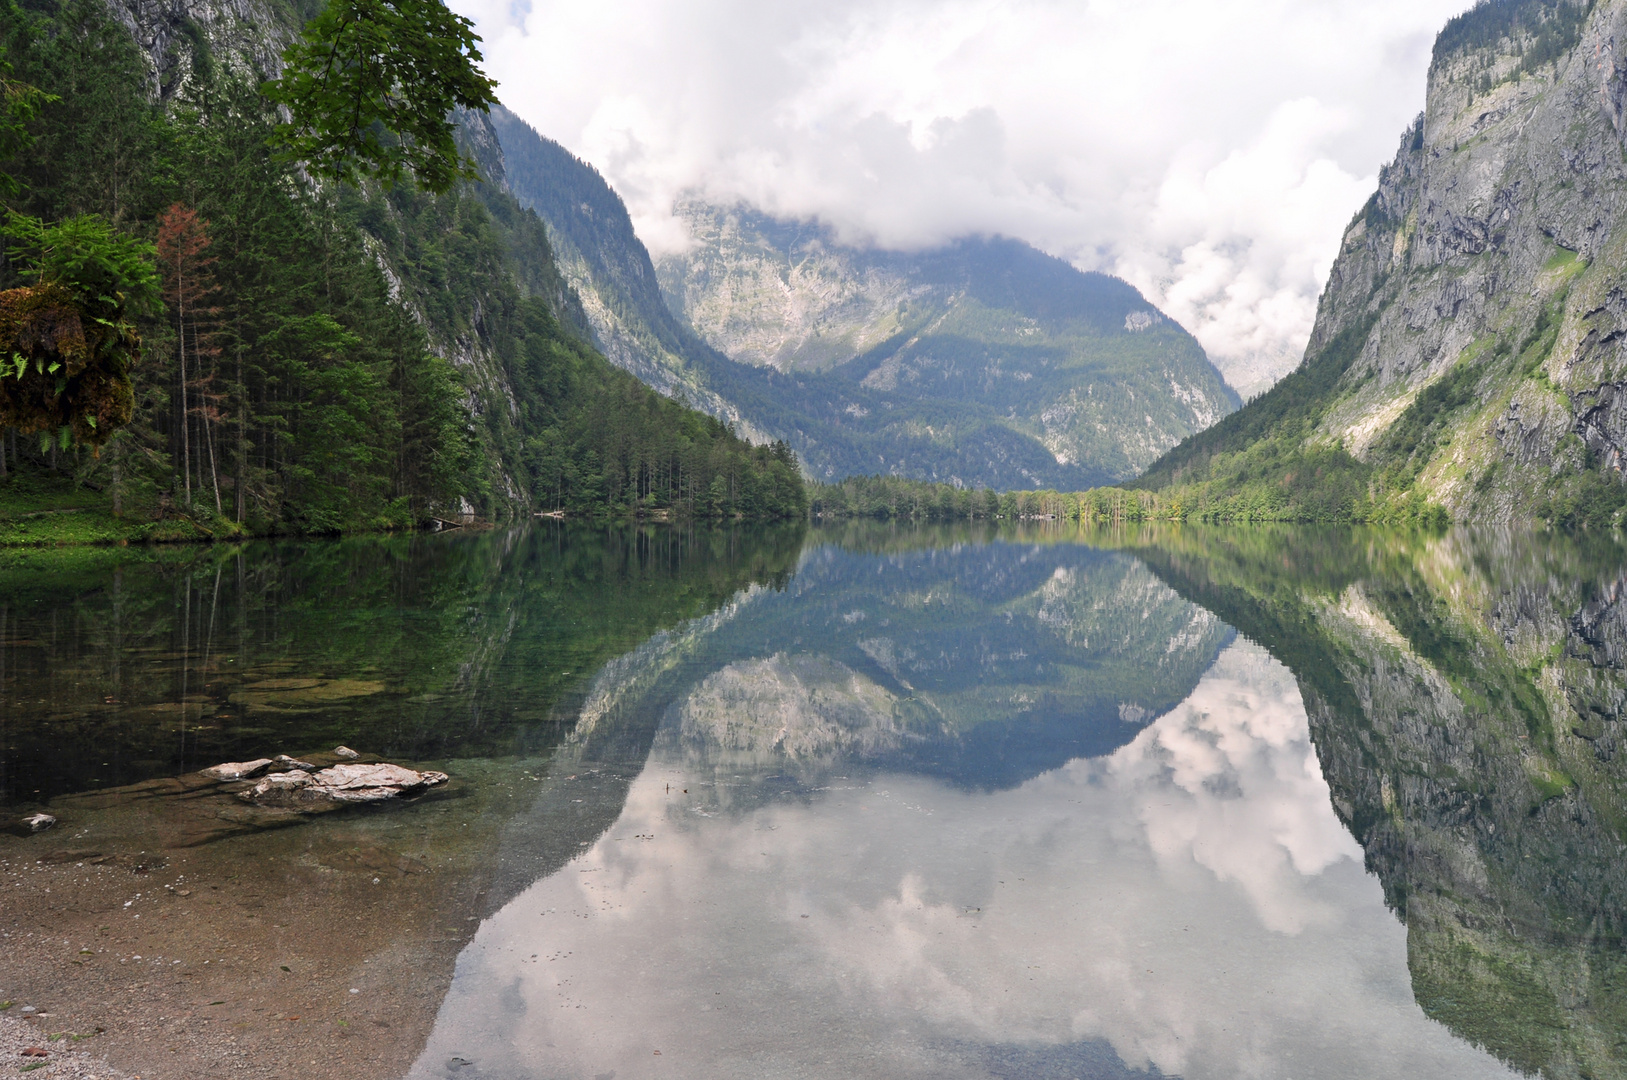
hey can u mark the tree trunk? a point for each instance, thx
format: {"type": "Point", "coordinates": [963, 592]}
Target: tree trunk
{"type": "Point", "coordinates": [242, 421]}
{"type": "Point", "coordinates": [214, 477]}
{"type": "Point", "coordinates": [186, 425]}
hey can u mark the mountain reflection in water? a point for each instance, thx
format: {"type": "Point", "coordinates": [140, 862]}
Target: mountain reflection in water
{"type": "Point", "coordinates": [1171, 887]}
{"type": "Point", "coordinates": [1189, 900]}
{"type": "Point", "coordinates": [972, 802]}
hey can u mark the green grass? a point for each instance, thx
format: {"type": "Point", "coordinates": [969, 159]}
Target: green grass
{"type": "Point", "coordinates": [41, 510]}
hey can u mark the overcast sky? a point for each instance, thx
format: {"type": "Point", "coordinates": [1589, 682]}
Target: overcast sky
{"type": "Point", "coordinates": [1209, 151]}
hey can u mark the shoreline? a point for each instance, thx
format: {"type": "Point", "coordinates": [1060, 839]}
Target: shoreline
{"type": "Point", "coordinates": [158, 931]}
{"type": "Point", "coordinates": [33, 531]}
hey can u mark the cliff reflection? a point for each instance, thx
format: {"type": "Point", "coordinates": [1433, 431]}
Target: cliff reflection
{"type": "Point", "coordinates": [1466, 697]}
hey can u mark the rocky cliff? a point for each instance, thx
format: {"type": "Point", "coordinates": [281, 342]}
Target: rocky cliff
{"type": "Point", "coordinates": [608, 268]}
{"type": "Point", "coordinates": [1469, 345]}
{"type": "Point", "coordinates": [1080, 363]}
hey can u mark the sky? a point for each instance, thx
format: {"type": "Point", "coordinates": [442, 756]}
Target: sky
{"type": "Point", "coordinates": [1210, 152]}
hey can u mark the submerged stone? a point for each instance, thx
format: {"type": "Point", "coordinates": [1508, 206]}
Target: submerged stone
{"type": "Point", "coordinates": [238, 770]}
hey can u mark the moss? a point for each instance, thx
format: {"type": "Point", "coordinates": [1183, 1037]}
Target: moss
{"type": "Point", "coordinates": [1491, 1001]}
{"type": "Point", "coordinates": [51, 511]}
{"type": "Point", "coordinates": [1561, 258]}
{"type": "Point", "coordinates": [61, 368]}
{"type": "Point", "coordinates": [1551, 784]}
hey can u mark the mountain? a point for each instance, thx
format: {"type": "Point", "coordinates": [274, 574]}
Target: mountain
{"type": "Point", "coordinates": [983, 363]}
{"type": "Point", "coordinates": [1081, 363]}
{"type": "Point", "coordinates": [608, 269]}
{"type": "Point", "coordinates": [1468, 347]}
{"type": "Point", "coordinates": [342, 357]}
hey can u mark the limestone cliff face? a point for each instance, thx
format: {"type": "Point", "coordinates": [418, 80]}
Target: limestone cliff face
{"type": "Point", "coordinates": [179, 36]}
{"type": "Point", "coordinates": [1080, 363]}
{"type": "Point", "coordinates": [785, 294]}
{"type": "Point", "coordinates": [1494, 254]}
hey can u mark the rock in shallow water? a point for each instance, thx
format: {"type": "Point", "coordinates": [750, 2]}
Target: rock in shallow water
{"type": "Point", "coordinates": [38, 822]}
{"type": "Point", "coordinates": [340, 784]}
{"type": "Point", "coordinates": [238, 770]}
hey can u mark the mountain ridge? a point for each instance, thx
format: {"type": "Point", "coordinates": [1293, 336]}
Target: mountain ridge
{"type": "Point", "coordinates": [839, 423]}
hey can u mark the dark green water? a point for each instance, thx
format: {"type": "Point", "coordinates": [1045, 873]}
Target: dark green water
{"type": "Point", "coordinates": [117, 669]}
{"type": "Point", "coordinates": [890, 802]}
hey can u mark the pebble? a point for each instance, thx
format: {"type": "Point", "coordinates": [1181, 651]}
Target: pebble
{"type": "Point", "coordinates": [66, 1060]}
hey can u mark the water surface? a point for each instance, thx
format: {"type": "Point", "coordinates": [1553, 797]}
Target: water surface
{"type": "Point", "coordinates": [889, 802]}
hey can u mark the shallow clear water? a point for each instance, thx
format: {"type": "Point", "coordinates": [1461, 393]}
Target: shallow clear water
{"type": "Point", "coordinates": [885, 803]}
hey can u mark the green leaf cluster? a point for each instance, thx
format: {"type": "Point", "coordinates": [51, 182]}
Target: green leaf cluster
{"type": "Point", "coordinates": [370, 86]}
{"type": "Point", "coordinates": [110, 272]}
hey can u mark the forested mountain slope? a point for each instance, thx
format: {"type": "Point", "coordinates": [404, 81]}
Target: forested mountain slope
{"type": "Point", "coordinates": [1469, 346]}
{"type": "Point", "coordinates": [986, 363]}
{"type": "Point", "coordinates": [328, 357]}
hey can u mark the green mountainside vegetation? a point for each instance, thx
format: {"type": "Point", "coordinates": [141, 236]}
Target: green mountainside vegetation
{"type": "Point", "coordinates": [323, 357]}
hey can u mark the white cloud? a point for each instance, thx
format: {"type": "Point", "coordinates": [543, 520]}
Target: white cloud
{"type": "Point", "coordinates": [1191, 901]}
{"type": "Point", "coordinates": [1209, 152]}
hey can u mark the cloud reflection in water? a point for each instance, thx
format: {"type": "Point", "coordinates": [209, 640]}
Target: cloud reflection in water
{"type": "Point", "coordinates": [1190, 901]}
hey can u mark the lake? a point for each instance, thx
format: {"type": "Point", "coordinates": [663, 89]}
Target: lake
{"type": "Point", "coordinates": [863, 800]}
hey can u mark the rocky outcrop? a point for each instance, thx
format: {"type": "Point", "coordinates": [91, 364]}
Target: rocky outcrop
{"type": "Point", "coordinates": [290, 783]}
{"type": "Point", "coordinates": [1494, 248]}
{"type": "Point", "coordinates": [339, 784]}
{"type": "Point", "coordinates": [180, 37]}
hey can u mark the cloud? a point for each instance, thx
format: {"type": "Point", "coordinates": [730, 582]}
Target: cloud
{"type": "Point", "coordinates": [1190, 901]}
{"type": "Point", "coordinates": [1210, 153]}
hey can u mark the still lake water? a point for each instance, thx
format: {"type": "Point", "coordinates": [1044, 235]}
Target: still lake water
{"type": "Point", "coordinates": [883, 802]}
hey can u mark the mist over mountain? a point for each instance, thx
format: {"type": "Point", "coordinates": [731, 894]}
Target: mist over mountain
{"type": "Point", "coordinates": [984, 363]}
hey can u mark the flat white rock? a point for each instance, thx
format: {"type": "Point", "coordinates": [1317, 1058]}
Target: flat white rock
{"type": "Point", "coordinates": [238, 770]}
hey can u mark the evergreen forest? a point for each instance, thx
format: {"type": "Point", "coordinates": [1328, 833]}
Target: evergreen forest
{"type": "Point", "coordinates": [318, 356]}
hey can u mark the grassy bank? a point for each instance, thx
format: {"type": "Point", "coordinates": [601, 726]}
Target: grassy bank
{"type": "Point", "coordinates": [49, 511]}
